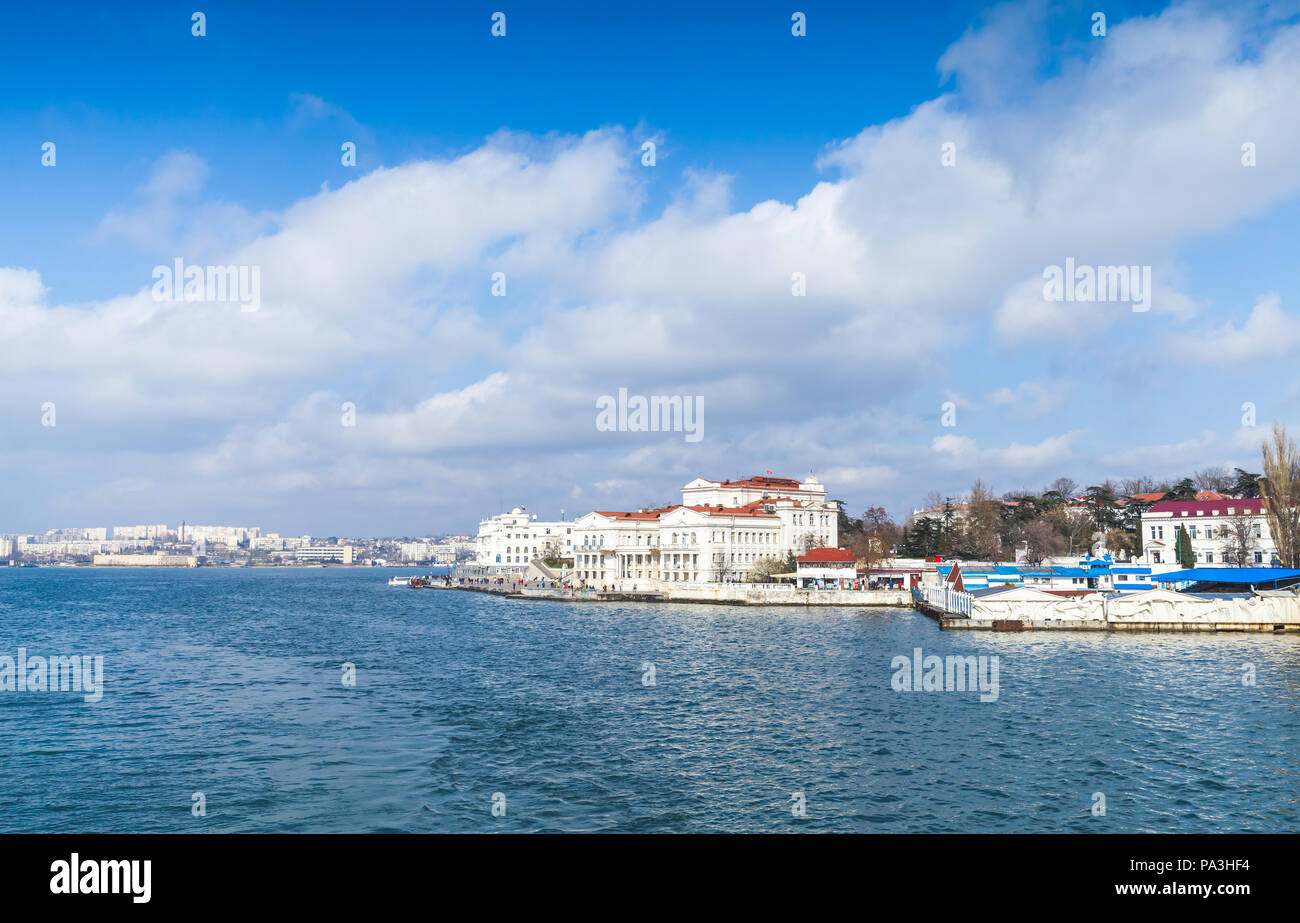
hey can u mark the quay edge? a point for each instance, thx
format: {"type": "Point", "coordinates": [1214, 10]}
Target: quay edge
{"type": "Point", "coordinates": [728, 595]}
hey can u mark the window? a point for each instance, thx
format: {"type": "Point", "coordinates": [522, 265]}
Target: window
{"type": "Point", "coordinates": [1259, 557]}
{"type": "Point", "coordinates": [1209, 557]}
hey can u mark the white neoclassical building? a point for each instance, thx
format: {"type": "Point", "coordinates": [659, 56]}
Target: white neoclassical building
{"type": "Point", "coordinates": [513, 539]}
{"type": "Point", "coordinates": [1222, 532]}
{"type": "Point", "coordinates": [717, 534]}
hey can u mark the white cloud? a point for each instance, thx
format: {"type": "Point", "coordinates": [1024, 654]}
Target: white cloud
{"type": "Point", "coordinates": [964, 453]}
{"type": "Point", "coordinates": [1268, 334]}
{"type": "Point", "coordinates": [168, 218]}
{"type": "Point", "coordinates": [1031, 400]}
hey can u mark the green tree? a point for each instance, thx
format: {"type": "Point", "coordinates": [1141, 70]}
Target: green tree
{"type": "Point", "coordinates": [1102, 504]}
{"type": "Point", "coordinates": [947, 542]}
{"type": "Point", "coordinates": [1246, 487]}
{"type": "Point", "coordinates": [924, 540]}
{"type": "Point", "coordinates": [848, 525]}
{"type": "Point", "coordinates": [1183, 549]}
{"type": "Point", "coordinates": [1183, 490]}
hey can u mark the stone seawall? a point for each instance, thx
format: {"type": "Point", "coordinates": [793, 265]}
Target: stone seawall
{"type": "Point", "coordinates": [734, 594]}
{"type": "Point", "coordinates": [739, 593]}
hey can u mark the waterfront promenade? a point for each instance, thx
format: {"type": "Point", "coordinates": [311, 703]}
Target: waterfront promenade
{"type": "Point", "coordinates": [734, 594]}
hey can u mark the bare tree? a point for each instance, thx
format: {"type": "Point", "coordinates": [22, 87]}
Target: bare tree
{"type": "Point", "coordinates": [1239, 542]}
{"type": "Point", "coordinates": [1281, 489]}
{"type": "Point", "coordinates": [875, 542]}
{"type": "Point", "coordinates": [1065, 487]}
{"type": "Point", "coordinates": [984, 522]}
{"type": "Point", "coordinates": [1131, 487]}
{"type": "Point", "coordinates": [1074, 525]}
{"type": "Point", "coordinates": [722, 567]}
{"type": "Point", "coordinates": [551, 551]}
{"type": "Point", "coordinates": [1120, 544]}
{"type": "Point", "coordinates": [765, 569]}
{"type": "Point", "coordinates": [1214, 478]}
{"type": "Point", "coordinates": [1041, 541]}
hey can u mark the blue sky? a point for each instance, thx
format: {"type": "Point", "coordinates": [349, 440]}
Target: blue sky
{"type": "Point", "coordinates": [776, 154]}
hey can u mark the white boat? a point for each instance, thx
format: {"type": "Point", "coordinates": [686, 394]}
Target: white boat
{"type": "Point", "coordinates": [400, 581]}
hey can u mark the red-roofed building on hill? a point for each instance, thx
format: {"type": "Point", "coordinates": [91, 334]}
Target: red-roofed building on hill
{"type": "Point", "coordinates": [1147, 498]}
{"type": "Point", "coordinates": [1224, 532]}
{"type": "Point", "coordinates": [721, 530]}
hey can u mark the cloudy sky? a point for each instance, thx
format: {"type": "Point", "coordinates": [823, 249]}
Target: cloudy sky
{"type": "Point", "coordinates": [523, 155]}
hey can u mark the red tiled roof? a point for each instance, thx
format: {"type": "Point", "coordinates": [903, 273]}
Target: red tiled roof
{"type": "Point", "coordinates": [645, 516]}
{"type": "Point", "coordinates": [750, 510]}
{"type": "Point", "coordinates": [1147, 498]}
{"type": "Point", "coordinates": [827, 555]}
{"type": "Point", "coordinates": [763, 481]}
{"type": "Point", "coordinates": [755, 504]}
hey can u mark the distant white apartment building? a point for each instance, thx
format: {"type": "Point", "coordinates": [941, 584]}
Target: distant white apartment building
{"type": "Point", "coordinates": [415, 551]}
{"type": "Point", "coordinates": [220, 535]}
{"type": "Point", "coordinates": [717, 534]}
{"type": "Point", "coordinates": [139, 532]}
{"type": "Point", "coordinates": [77, 535]}
{"type": "Point", "coordinates": [27, 547]}
{"type": "Point", "coordinates": [513, 539]}
{"type": "Point", "coordinates": [440, 554]}
{"type": "Point", "coordinates": [326, 554]}
{"type": "Point", "coordinates": [1220, 532]}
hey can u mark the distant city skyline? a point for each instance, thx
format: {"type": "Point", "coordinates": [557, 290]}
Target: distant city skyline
{"type": "Point", "coordinates": [914, 247]}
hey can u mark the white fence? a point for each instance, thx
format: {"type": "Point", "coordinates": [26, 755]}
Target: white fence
{"type": "Point", "coordinates": [954, 601]}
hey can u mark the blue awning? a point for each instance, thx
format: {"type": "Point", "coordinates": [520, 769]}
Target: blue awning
{"type": "Point", "coordinates": [1242, 575]}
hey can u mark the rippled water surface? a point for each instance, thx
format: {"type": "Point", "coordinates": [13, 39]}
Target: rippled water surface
{"type": "Point", "coordinates": [228, 682]}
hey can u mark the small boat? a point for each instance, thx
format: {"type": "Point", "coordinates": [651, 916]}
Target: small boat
{"type": "Point", "coordinates": [401, 581]}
